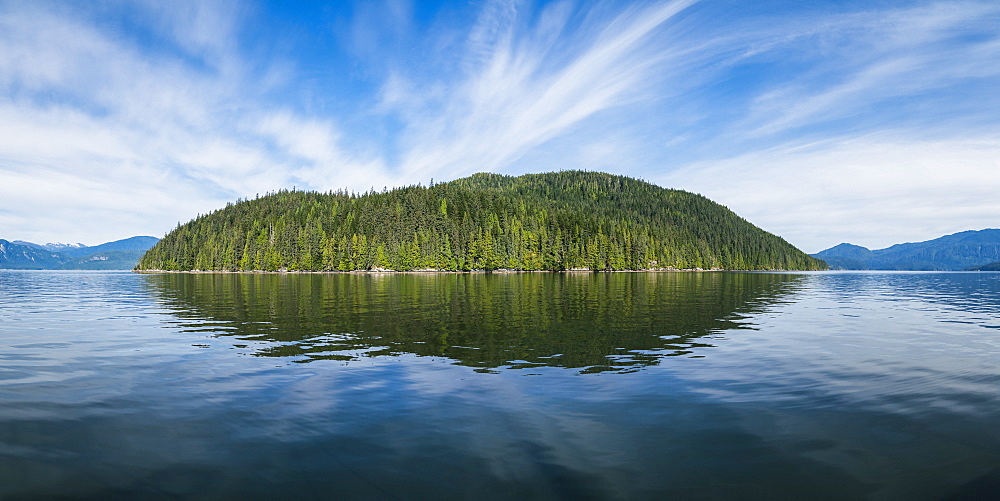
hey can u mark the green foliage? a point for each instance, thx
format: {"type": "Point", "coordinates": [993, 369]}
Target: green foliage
{"type": "Point", "coordinates": [588, 321]}
{"type": "Point", "coordinates": [555, 221]}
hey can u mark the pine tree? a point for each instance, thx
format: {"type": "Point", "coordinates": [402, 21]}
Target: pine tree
{"type": "Point", "coordinates": [553, 221]}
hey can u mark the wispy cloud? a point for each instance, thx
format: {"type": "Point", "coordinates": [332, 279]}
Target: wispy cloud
{"type": "Point", "coordinates": [865, 60]}
{"type": "Point", "coordinates": [874, 190]}
{"type": "Point", "coordinates": [102, 139]}
{"type": "Point", "coordinates": [883, 132]}
{"type": "Point", "coordinates": [517, 92]}
{"type": "Point", "coordinates": [128, 118]}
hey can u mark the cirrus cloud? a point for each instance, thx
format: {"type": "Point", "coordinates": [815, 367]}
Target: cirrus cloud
{"type": "Point", "coordinates": [819, 122]}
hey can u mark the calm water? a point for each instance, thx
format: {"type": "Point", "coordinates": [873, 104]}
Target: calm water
{"type": "Point", "coordinates": [573, 386]}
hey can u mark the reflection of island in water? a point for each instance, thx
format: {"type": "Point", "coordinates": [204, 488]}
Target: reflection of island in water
{"type": "Point", "coordinates": [594, 322]}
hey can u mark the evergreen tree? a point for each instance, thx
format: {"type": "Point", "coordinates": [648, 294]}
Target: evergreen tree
{"type": "Point", "coordinates": [554, 221]}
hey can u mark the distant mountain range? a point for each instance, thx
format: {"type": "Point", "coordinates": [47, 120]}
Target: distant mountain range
{"type": "Point", "coordinates": [968, 250]}
{"type": "Point", "coordinates": [118, 255]}
{"type": "Point", "coordinates": [960, 251]}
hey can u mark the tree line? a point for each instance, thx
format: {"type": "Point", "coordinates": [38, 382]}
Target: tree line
{"type": "Point", "coordinates": [556, 221]}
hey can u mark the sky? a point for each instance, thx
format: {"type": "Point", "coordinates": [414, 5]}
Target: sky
{"type": "Point", "coordinates": [872, 122]}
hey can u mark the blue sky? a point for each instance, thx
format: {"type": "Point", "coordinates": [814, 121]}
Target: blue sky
{"type": "Point", "coordinates": [868, 122]}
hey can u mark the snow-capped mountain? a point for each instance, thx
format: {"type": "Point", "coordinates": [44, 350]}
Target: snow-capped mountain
{"type": "Point", "coordinates": [117, 255]}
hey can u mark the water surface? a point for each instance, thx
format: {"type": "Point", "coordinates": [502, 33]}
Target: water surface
{"type": "Point", "coordinates": [603, 386]}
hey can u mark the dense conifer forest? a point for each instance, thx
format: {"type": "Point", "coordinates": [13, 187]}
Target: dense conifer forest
{"type": "Point", "coordinates": [554, 221]}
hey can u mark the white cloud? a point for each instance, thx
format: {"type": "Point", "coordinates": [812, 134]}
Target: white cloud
{"type": "Point", "coordinates": [515, 94]}
{"type": "Point", "coordinates": [872, 191]}
{"type": "Point", "coordinates": [100, 139]}
{"type": "Point", "coordinates": [169, 110]}
{"type": "Point", "coordinates": [864, 59]}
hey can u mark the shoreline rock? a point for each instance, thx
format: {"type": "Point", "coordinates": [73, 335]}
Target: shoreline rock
{"type": "Point", "coordinates": [431, 271]}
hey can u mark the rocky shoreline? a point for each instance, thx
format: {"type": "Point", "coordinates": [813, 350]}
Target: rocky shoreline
{"type": "Point", "coordinates": [432, 271]}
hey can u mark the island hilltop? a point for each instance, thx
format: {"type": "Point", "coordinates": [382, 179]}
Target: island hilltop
{"type": "Point", "coordinates": [568, 220]}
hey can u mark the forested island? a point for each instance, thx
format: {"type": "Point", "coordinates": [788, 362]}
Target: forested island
{"type": "Point", "coordinates": [570, 220]}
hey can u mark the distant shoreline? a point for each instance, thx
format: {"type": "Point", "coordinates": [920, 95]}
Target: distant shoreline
{"type": "Point", "coordinates": [429, 272]}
